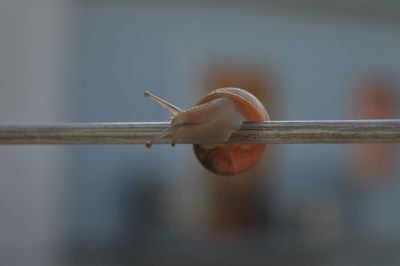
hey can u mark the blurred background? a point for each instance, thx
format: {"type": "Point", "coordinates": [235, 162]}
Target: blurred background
{"type": "Point", "coordinates": [91, 60]}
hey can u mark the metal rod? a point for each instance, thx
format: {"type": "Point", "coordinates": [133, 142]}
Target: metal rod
{"type": "Point", "coordinates": [284, 132]}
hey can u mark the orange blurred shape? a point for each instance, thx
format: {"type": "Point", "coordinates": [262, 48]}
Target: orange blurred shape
{"type": "Point", "coordinates": [374, 99]}
{"type": "Point", "coordinates": [236, 206]}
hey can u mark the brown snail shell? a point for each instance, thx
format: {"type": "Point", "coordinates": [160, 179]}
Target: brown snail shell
{"type": "Point", "coordinates": [232, 159]}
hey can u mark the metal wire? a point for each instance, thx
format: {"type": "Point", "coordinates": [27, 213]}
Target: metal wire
{"type": "Point", "coordinates": [283, 132]}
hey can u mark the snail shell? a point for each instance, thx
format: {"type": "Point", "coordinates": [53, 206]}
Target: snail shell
{"type": "Point", "coordinates": [232, 159]}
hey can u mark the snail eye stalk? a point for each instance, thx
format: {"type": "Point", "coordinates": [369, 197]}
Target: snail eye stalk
{"type": "Point", "coordinates": [169, 106]}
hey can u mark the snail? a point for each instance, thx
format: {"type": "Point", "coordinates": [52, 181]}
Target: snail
{"type": "Point", "coordinates": [213, 120]}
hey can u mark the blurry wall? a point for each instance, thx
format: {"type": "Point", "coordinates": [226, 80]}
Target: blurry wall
{"type": "Point", "coordinates": [111, 194]}
{"type": "Point", "coordinates": [128, 47]}
{"type": "Point", "coordinates": [34, 88]}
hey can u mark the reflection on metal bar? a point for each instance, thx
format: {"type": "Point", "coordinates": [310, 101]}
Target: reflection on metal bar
{"type": "Point", "coordinates": [283, 132]}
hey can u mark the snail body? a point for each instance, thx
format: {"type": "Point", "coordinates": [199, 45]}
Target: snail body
{"type": "Point", "coordinates": [211, 122]}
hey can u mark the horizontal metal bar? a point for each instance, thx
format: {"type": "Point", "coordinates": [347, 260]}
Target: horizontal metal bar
{"type": "Point", "coordinates": [284, 132]}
